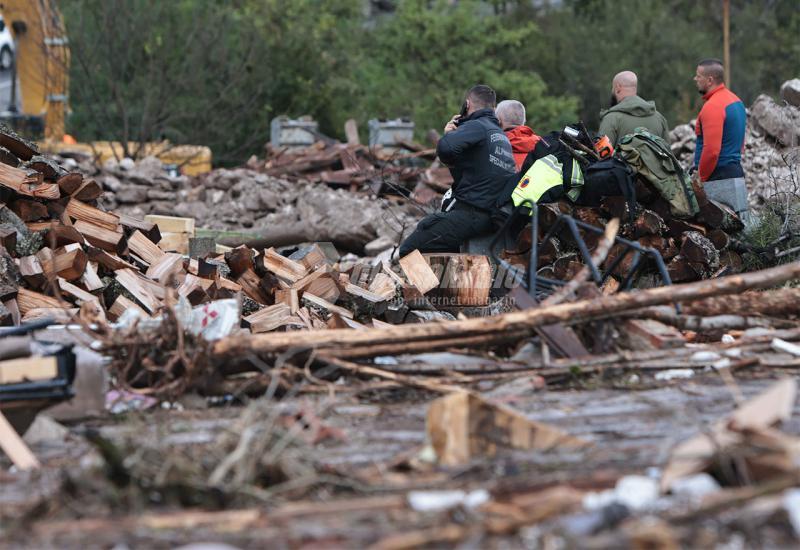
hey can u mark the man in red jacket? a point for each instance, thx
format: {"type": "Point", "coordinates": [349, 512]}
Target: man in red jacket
{"type": "Point", "coordinates": [720, 125]}
{"type": "Point", "coordinates": [511, 114]}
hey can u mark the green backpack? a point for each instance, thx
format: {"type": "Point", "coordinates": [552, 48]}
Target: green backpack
{"type": "Point", "coordinates": [651, 158]}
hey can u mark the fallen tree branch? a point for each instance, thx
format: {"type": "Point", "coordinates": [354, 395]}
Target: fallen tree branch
{"type": "Point", "coordinates": [397, 339]}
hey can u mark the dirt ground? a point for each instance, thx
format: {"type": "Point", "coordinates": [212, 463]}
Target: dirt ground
{"type": "Point", "coordinates": [346, 478]}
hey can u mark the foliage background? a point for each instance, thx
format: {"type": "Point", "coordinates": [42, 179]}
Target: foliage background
{"type": "Point", "coordinates": [216, 72]}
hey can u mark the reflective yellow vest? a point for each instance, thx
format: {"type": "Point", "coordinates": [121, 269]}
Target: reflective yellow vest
{"type": "Point", "coordinates": [543, 175]}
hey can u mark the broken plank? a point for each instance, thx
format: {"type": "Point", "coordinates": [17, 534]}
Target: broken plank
{"type": "Point", "coordinates": [172, 224]}
{"type": "Point", "coordinates": [15, 447]}
{"type": "Point", "coordinates": [90, 279]}
{"type": "Point", "coordinates": [109, 261]}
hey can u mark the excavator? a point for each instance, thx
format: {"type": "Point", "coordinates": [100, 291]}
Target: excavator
{"type": "Point", "coordinates": [37, 102]}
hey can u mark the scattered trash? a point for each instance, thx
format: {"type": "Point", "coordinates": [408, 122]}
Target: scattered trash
{"type": "Point", "coordinates": [673, 374]}
{"type": "Point", "coordinates": [437, 501]}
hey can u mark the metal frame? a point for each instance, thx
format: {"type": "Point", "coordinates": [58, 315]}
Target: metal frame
{"type": "Point", "coordinates": [535, 284]}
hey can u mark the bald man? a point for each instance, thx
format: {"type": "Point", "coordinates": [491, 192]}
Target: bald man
{"type": "Point", "coordinates": [629, 111]}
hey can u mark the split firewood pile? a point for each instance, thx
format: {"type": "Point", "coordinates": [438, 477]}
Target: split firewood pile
{"type": "Point", "coordinates": [702, 247]}
{"type": "Point", "coordinates": [409, 169]}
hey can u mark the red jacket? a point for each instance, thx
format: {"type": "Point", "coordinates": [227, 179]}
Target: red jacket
{"type": "Point", "coordinates": [523, 140]}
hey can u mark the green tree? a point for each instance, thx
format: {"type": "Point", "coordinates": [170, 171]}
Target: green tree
{"type": "Point", "coordinates": [420, 62]}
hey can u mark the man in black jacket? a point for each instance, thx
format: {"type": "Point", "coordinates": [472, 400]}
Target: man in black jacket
{"type": "Point", "coordinates": [480, 159]}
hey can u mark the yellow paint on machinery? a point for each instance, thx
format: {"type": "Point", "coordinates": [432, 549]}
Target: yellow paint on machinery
{"type": "Point", "coordinates": [42, 59]}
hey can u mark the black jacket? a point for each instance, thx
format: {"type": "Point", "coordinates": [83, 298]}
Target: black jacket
{"type": "Point", "coordinates": [479, 156]}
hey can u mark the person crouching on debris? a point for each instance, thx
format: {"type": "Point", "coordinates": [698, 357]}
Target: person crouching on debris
{"type": "Point", "coordinates": [511, 114]}
{"type": "Point", "coordinates": [480, 159]}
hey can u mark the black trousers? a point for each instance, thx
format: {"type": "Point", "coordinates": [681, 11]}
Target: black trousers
{"type": "Point", "coordinates": [447, 231]}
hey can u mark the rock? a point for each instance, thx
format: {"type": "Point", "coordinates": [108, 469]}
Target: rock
{"type": "Point", "coordinates": [45, 430]}
{"type": "Point", "coordinates": [790, 92]}
{"type": "Point", "coordinates": [780, 122]}
{"type": "Point", "coordinates": [156, 195]}
{"type": "Point", "coordinates": [127, 164]}
{"type": "Point", "coordinates": [132, 194]}
{"type": "Point", "coordinates": [373, 248]}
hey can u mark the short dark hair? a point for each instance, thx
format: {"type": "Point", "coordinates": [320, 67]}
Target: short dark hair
{"type": "Point", "coordinates": [482, 96]}
{"type": "Point", "coordinates": [713, 67]}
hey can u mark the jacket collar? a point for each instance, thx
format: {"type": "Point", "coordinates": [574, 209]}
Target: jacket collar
{"type": "Point", "coordinates": [708, 94]}
{"type": "Point", "coordinates": [480, 113]}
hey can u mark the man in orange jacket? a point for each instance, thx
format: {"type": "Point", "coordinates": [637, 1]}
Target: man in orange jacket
{"type": "Point", "coordinates": [720, 125]}
{"type": "Point", "coordinates": [511, 114]}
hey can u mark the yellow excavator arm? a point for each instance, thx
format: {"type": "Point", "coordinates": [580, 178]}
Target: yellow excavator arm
{"type": "Point", "coordinates": [42, 61]}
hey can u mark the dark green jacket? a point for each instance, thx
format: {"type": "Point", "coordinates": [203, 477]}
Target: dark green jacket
{"type": "Point", "coordinates": [631, 113]}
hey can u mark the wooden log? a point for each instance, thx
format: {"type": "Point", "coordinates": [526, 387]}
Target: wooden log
{"type": "Point", "coordinates": [283, 267]}
{"type": "Point", "coordinates": [325, 287]}
{"type": "Point", "coordinates": [88, 191]}
{"type": "Point", "coordinates": [28, 300]}
{"type": "Point", "coordinates": [27, 182]}
{"type": "Point", "coordinates": [80, 211]}
{"type": "Point", "coordinates": [69, 183]}
{"type": "Point", "coordinates": [165, 268]}
{"type": "Point", "coordinates": [139, 289]}
{"type": "Point", "coordinates": [648, 334]}
{"type": "Point", "coordinates": [63, 315]}
{"type": "Point", "coordinates": [174, 242]}
{"type": "Point", "coordinates": [195, 289]}
{"type": "Point", "coordinates": [499, 327]}
{"type": "Point", "coordinates": [20, 147]}
{"type": "Point", "coordinates": [383, 285]}
{"type": "Point", "coordinates": [697, 249]}
{"type": "Point", "coordinates": [49, 168]}
{"type": "Point", "coordinates": [320, 302]}
{"type": "Point", "coordinates": [678, 227]}
{"type": "Point", "coordinates": [61, 235]}
{"type": "Point", "coordinates": [75, 292]}
{"type": "Point", "coordinates": [251, 286]}
{"type": "Point", "coordinates": [239, 260]}
{"type": "Point", "coordinates": [648, 222]}
{"type": "Point", "coordinates": [363, 293]}
{"type": "Point", "coordinates": [90, 279]}
{"type": "Point", "coordinates": [69, 265]}
{"type": "Point", "coordinates": [144, 248]}
{"type": "Point", "coordinates": [311, 257]}
{"type": "Point", "coordinates": [720, 216]}
{"type": "Point", "coordinates": [269, 318]}
{"type": "Point", "coordinates": [419, 272]}
{"type": "Point", "coordinates": [567, 266]}
{"type": "Point", "coordinates": [148, 229]}
{"type": "Point", "coordinates": [102, 237]}
{"type": "Point", "coordinates": [8, 237]}
{"type": "Point", "coordinates": [681, 270]}
{"type": "Point", "coordinates": [29, 210]}
{"type": "Point", "coordinates": [290, 297]}
{"type": "Point", "coordinates": [465, 279]}
{"type": "Point", "coordinates": [121, 305]}
{"type": "Point", "coordinates": [732, 261]}
{"type": "Point", "coordinates": [781, 302]}
{"type": "Point", "coordinates": [719, 238]}
{"type": "Point", "coordinates": [31, 270]}
{"type": "Point", "coordinates": [109, 261]}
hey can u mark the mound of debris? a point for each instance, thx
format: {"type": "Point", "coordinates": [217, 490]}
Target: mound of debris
{"type": "Point", "coordinates": [771, 158]}
{"type": "Point", "coordinates": [256, 206]}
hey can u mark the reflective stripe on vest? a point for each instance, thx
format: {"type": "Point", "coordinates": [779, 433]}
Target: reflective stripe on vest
{"type": "Point", "coordinates": [542, 176]}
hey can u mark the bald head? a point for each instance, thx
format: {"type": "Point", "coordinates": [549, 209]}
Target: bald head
{"type": "Point", "coordinates": [510, 113]}
{"type": "Point", "coordinates": [625, 84]}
